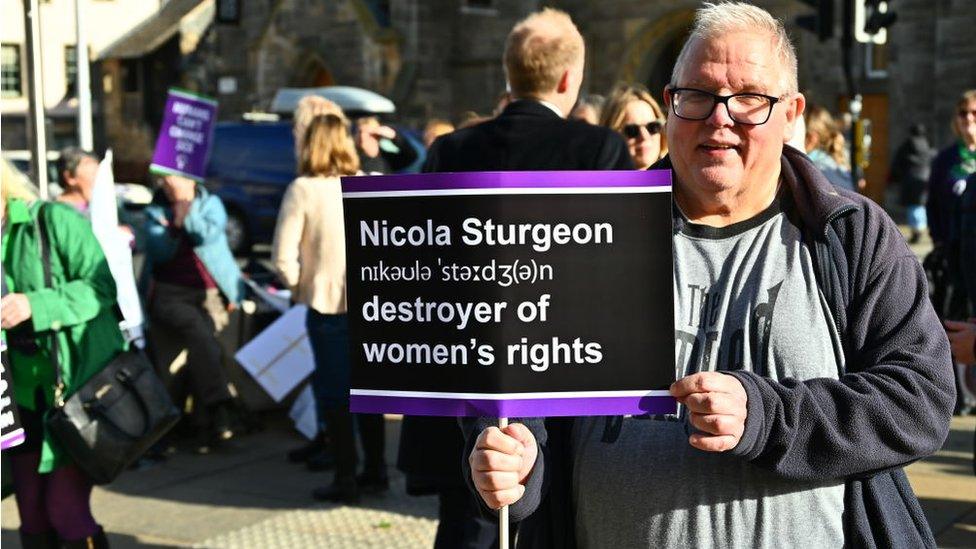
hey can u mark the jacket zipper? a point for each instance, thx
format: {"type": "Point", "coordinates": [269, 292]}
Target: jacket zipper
{"type": "Point", "coordinates": [842, 366]}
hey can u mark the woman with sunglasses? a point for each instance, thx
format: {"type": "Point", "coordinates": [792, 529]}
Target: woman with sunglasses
{"type": "Point", "coordinates": [946, 185]}
{"type": "Point", "coordinates": [633, 112]}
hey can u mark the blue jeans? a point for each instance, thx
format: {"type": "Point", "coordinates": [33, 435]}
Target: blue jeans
{"type": "Point", "coordinates": [916, 217]}
{"type": "Point", "coordinates": [329, 338]}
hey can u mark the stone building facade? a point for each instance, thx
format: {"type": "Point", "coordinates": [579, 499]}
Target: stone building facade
{"type": "Point", "coordinates": [443, 57]}
{"type": "Point", "coordinates": [58, 53]}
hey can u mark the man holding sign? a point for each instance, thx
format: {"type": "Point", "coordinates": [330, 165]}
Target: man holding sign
{"type": "Point", "coordinates": [543, 58]}
{"type": "Point", "coordinates": [811, 365]}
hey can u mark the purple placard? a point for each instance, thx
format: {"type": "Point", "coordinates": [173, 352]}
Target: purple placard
{"type": "Point", "coordinates": [534, 407]}
{"type": "Point", "coordinates": [185, 135]}
{"type": "Point", "coordinates": [507, 180]}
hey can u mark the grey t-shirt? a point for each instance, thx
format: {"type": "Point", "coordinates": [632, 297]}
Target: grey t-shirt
{"type": "Point", "coordinates": [745, 298]}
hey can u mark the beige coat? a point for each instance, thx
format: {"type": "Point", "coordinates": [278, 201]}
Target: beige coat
{"type": "Point", "coordinates": [309, 251]}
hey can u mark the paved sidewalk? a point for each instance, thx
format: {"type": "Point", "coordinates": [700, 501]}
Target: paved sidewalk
{"type": "Point", "coordinates": [248, 496]}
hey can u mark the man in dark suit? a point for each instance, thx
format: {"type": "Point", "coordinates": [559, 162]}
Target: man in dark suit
{"type": "Point", "coordinates": [543, 59]}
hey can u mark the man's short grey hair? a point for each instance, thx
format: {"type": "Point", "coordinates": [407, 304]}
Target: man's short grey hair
{"type": "Point", "coordinates": [714, 20]}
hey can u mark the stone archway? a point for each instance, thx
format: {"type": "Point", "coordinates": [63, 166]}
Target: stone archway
{"type": "Point", "coordinates": [312, 72]}
{"type": "Point", "coordinates": [654, 49]}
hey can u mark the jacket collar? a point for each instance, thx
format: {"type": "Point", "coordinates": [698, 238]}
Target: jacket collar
{"type": "Point", "coordinates": [815, 199]}
{"type": "Point", "coordinates": [529, 107]}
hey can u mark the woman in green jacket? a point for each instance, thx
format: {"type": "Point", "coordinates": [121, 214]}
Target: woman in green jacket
{"type": "Point", "coordinates": [79, 309]}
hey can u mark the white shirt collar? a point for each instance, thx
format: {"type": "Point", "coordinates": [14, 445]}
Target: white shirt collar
{"type": "Point", "coordinates": [548, 105]}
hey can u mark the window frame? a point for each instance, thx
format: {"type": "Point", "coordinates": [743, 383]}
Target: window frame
{"type": "Point", "coordinates": [19, 49]}
{"type": "Point", "coordinates": [871, 69]}
{"type": "Point", "coordinates": [71, 71]}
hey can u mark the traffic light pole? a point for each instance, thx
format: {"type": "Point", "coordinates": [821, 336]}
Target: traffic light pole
{"type": "Point", "coordinates": [848, 54]}
{"type": "Point", "coordinates": [83, 81]}
{"type": "Point", "coordinates": [36, 126]}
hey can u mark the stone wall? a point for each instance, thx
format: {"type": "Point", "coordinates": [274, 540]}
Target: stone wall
{"type": "Point", "coordinates": [933, 59]}
{"type": "Point", "coordinates": [437, 58]}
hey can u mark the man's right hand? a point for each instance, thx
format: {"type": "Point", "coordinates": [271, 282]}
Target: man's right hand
{"type": "Point", "coordinates": [501, 462]}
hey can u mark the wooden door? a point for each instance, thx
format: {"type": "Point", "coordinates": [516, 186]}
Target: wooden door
{"type": "Point", "coordinates": [875, 109]}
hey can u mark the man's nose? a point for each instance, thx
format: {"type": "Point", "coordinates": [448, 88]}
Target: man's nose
{"type": "Point", "coordinates": [720, 116]}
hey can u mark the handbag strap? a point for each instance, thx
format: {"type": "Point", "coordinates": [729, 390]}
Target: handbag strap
{"type": "Point", "coordinates": [40, 226]}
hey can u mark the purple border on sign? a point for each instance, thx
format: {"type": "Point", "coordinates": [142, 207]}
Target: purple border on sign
{"type": "Point", "coordinates": [535, 407]}
{"type": "Point", "coordinates": [506, 180]}
{"type": "Point", "coordinates": [12, 439]}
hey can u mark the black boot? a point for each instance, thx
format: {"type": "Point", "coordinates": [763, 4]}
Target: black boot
{"type": "Point", "coordinates": [44, 540]}
{"type": "Point", "coordinates": [372, 433]}
{"type": "Point", "coordinates": [343, 488]}
{"type": "Point", "coordinates": [96, 541]}
{"type": "Point", "coordinates": [224, 424]}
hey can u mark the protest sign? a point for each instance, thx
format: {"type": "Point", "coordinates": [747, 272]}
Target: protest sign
{"type": "Point", "coordinates": [11, 431]}
{"type": "Point", "coordinates": [116, 243]}
{"type": "Point", "coordinates": [510, 293]}
{"type": "Point", "coordinates": [280, 357]}
{"type": "Point", "coordinates": [185, 135]}
{"type": "Point", "coordinates": [303, 413]}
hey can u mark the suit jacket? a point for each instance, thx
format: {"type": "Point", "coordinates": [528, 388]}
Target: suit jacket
{"type": "Point", "coordinates": [527, 136]}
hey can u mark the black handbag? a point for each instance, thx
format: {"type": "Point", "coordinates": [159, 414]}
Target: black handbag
{"type": "Point", "coordinates": [116, 415]}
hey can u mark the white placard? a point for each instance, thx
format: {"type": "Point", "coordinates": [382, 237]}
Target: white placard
{"type": "Point", "coordinates": [116, 243]}
{"type": "Point", "coordinates": [280, 357]}
{"type": "Point", "coordinates": [303, 413]}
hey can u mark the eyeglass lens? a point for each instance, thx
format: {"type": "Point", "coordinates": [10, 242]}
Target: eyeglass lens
{"type": "Point", "coordinates": [746, 109]}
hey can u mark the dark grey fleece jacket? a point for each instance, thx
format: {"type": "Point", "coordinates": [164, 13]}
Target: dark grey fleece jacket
{"type": "Point", "coordinates": [890, 407]}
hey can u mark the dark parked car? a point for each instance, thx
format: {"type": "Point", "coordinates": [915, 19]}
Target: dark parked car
{"type": "Point", "coordinates": [250, 166]}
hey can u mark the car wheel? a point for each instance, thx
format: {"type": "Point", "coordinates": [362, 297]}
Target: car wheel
{"type": "Point", "coordinates": [236, 233]}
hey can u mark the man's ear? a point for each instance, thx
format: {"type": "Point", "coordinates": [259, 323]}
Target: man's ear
{"type": "Point", "coordinates": [666, 94]}
{"type": "Point", "coordinates": [563, 82]}
{"type": "Point", "coordinates": [794, 110]}
{"type": "Point", "coordinates": [67, 177]}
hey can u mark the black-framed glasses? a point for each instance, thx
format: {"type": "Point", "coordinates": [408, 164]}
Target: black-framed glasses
{"type": "Point", "coordinates": [963, 113]}
{"type": "Point", "coordinates": [744, 108]}
{"type": "Point", "coordinates": [633, 131]}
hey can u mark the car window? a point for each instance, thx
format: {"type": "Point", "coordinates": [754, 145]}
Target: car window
{"type": "Point", "coordinates": [252, 151]}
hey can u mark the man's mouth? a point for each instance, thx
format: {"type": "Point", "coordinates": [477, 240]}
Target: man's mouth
{"type": "Point", "coordinates": [718, 148]}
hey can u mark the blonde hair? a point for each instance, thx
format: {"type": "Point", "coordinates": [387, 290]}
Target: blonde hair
{"type": "Point", "coordinates": [308, 108]}
{"type": "Point", "coordinates": [470, 118]}
{"type": "Point", "coordinates": [714, 20]}
{"type": "Point", "coordinates": [830, 139]}
{"type": "Point", "coordinates": [327, 149]}
{"type": "Point", "coordinates": [539, 49]}
{"type": "Point", "coordinates": [964, 98]}
{"type": "Point", "coordinates": [14, 184]}
{"type": "Point", "coordinates": [615, 109]}
{"type": "Point", "coordinates": [435, 128]}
